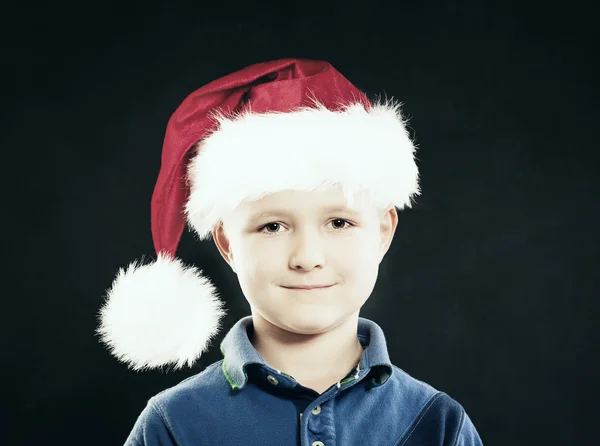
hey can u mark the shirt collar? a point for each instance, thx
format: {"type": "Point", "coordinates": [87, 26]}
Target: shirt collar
{"type": "Point", "coordinates": [238, 353]}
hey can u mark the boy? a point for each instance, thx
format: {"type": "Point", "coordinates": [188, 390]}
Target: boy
{"type": "Point", "coordinates": [297, 177]}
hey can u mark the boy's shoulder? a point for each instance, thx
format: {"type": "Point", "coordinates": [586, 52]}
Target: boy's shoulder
{"type": "Point", "coordinates": [412, 388]}
{"type": "Point", "coordinates": [202, 385]}
{"type": "Point", "coordinates": [434, 413]}
{"type": "Point", "coordinates": [413, 392]}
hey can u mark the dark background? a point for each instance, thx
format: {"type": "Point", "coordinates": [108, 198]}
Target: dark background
{"type": "Point", "coordinates": [490, 289]}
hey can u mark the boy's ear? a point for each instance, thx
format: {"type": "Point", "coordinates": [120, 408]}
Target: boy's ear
{"type": "Point", "coordinates": [389, 223]}
{"type": "Point", "coordinates": [223, 244]}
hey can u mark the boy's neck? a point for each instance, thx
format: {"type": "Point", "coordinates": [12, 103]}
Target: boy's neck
{"type": "Point", "coordinates": [315, 361]}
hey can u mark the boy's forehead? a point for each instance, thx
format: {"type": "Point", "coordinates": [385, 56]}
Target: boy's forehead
{"type": "Point", "coordinates": [290, 202]}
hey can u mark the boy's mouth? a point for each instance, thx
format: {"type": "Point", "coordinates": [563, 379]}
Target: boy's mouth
{"type": "Point", "coordinates": [308, 287]}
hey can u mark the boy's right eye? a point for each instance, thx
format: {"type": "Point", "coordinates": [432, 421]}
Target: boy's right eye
{"type": "Point", "coordinates": [272, 225]}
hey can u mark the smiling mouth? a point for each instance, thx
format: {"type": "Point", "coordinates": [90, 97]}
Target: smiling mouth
{"type": "Point", "coordinates": [308, 289]}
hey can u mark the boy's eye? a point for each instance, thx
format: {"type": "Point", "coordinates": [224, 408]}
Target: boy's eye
{"type": "Point", "coordinates": [343, 223]}
{"type": "Point", "coordinates": [271, 225]}
{"type": "Point", "coordinates": [339, 224]}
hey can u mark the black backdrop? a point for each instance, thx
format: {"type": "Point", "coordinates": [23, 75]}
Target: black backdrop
{"type": "Point", "coordinates": [490, 289]}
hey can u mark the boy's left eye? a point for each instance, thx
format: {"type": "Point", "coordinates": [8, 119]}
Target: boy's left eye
{"type": "Point", "coordinates": [342, 220]}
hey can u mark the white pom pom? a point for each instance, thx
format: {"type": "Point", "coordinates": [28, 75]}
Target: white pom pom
{"type": "Point", "coordinates": [159, 314]}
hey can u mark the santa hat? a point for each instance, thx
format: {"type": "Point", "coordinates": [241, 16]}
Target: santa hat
{"type": "Point", "coordinates": [289, 124]}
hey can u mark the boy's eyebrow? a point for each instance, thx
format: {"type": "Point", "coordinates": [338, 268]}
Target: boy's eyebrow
{"type": "Point", "coordinates": [274, 212]}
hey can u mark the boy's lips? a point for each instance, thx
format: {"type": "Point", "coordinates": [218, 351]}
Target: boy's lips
{"type": "Point", "coordinates": [308, 287]}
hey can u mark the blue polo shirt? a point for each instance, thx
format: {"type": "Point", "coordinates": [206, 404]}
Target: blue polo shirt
{"type": "Point", "coordinates": [241, 400]}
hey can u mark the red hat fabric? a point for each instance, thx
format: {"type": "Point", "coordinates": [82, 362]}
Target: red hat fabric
{"type": "Point", "coordinates": [276, 86]}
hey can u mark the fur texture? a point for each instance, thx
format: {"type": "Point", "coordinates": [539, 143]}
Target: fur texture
{"type": "Point", "coordinates": [159, 314]}
{"type": "Point", "coordinates": [250, 155]}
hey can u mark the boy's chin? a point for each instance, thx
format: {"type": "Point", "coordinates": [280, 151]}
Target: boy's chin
{"type": "Point", "coordinates": [307, 321]}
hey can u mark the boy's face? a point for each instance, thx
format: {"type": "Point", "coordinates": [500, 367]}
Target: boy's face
{"type": "Point", "coordinates": [303, 243]}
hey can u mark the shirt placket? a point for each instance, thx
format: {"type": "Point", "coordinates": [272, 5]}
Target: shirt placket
{"type": "Point", "coordinates": [320, 424]}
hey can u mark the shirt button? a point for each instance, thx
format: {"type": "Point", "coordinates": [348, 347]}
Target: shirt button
{"type": "Point", "coordinates": [272, 380]}
{"type": "Point", "coordinates": [316, 410]}
{"type": "Point", "coordinates": [318, 443]}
